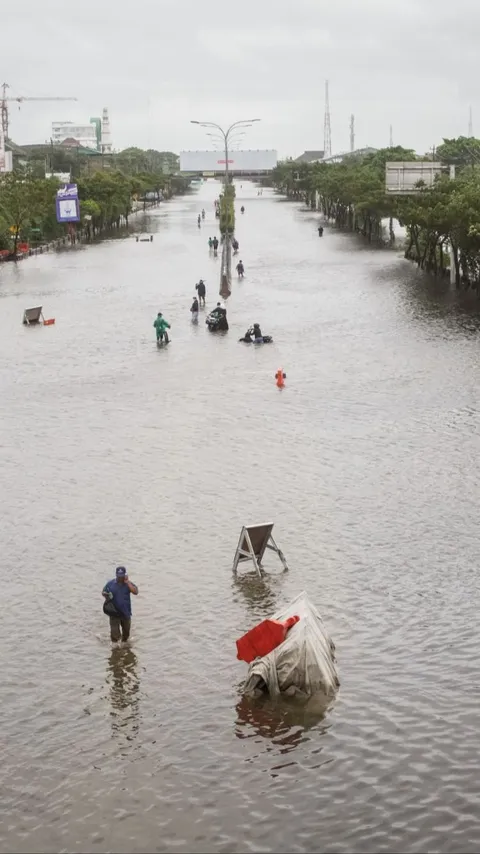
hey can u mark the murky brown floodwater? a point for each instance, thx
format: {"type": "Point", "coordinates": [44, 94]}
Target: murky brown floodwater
{"type": "Point", "coordinates": [114, 452]}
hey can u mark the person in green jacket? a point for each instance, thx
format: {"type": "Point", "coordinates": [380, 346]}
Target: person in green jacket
{"type": "Point", "coordinates": [161, 326]}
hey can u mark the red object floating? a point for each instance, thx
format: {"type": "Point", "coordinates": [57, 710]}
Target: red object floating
{"type": "Point", "coordinates": [49, 322]}
{"type": "Point", "coordinates": [263, 638]}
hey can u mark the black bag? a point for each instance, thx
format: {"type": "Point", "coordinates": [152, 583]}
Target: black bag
{"type": "Point", "coordinates": [109, 609]}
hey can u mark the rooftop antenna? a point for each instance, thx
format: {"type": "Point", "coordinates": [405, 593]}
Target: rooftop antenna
{"type": "Point", "coordinates": [327, 131]}
{"type": "Point", "coordinates": [352, 133]}
{"type": "Point", "coordinates": [470, 123]}
{"type": "Point", "coordinates": [391, 137]}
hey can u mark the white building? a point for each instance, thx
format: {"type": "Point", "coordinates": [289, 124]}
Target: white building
{"type": "Point", "coordinates": [86, 135]}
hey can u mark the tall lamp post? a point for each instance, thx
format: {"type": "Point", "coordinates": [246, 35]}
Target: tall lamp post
{"type": "Point", "coordinates": [225, 135]}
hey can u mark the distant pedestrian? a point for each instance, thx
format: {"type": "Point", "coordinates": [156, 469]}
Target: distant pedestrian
{"type": "Point", "coordinates": [320, 231]}
{"type": "Point", "coordinates": [201, 291]}
{"type": "Point", "coordinates": [215, 245]}
{"type": "Point", "coordinates": [240, 269]}
{"type": "Point", "coordinates": [194, 310]}
{"type": "Point", "coordinates": [118, 604]}
{"type": "Point", "coordinates": [210, 242]}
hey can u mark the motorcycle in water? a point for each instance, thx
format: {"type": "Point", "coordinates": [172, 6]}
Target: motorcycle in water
{"type": "Point", "coordinates": [249, 338]}
{"type": "Point", "coordinates": [217, 320]}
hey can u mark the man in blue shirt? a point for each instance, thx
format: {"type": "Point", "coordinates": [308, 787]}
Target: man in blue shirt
{"type": "Point", "coordinates": [118, 592]}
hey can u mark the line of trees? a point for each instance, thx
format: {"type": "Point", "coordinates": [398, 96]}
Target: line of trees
{"type": "Point", "coordinates": [446, 216]}
{"type": "Point", "coordinates": [107, 198]}
{"type": "Point", "coordinates": [227, 210]}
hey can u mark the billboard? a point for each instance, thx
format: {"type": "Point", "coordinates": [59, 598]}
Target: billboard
{"type": "Point", "coordinates": [401, 178]}
{"type": "Point", "coordinates": [238, 161]}
{"type": "Point", "coordinates": [67, 204]}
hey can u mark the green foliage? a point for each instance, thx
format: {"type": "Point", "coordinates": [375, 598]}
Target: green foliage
{"type": "Point", "coordinates": [444, 217]}
{"type": "Point", "coordinates": [461, 152]}
{"type": "Point", "coordinates": [28, 201]}
{"type": "Point", "coordinates": [24, 202]}
{"type": "Point", "coordinates": [227, 210]}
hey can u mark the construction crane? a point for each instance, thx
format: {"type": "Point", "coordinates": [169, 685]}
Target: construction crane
{"type": "Point", "coordinates": [4, 101]}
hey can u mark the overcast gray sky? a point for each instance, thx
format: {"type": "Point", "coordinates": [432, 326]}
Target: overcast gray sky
{"type": "Point", "coordinates": [156, 64]}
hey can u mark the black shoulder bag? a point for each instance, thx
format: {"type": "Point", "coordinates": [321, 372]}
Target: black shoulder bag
{"type": "Point", "coordinates": [109, 609]}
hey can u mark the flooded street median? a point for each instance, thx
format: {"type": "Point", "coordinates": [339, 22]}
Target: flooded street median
{"type": "Point", "coordinates": [115, 452]}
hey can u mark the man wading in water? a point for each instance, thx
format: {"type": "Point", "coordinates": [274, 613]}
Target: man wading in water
{"type": "Point", "coordinates": [117, 591]}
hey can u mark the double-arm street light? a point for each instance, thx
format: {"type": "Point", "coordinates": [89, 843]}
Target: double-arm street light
{"type": "Point", "coordinates": [225, 135]}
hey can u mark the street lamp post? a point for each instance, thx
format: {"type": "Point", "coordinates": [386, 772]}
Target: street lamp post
{"type": "Point", "coordinates": [225, 135]}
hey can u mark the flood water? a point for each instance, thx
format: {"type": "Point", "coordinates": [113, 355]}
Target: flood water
{"type": "Point", "coordinates": [112, 451]}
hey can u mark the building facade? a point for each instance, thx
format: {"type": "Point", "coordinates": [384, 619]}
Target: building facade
{"type": "Point", "coordinates": [86, 134]}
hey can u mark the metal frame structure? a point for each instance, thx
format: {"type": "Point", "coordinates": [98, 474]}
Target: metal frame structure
{"type": "Point", "coordinates": [32, 316]}
{"type": "Point", "coordinates": [246, 550]}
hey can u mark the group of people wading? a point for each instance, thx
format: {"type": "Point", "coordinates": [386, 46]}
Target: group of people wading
{"type": "Point", "coordinates": [216, 320]}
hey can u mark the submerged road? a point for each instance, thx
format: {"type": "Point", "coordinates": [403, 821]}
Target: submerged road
{"type": "Point", "coordinates": [112, 451]}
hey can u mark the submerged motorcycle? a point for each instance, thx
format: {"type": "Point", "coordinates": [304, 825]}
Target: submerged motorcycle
{"type": "Point", "coordinates": [252, 337]}
{"type": "Point", "coordinates": [217, 320]}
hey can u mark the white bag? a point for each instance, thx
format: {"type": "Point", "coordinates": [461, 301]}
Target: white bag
{"type": "Point", "coordinates": [303, 664]}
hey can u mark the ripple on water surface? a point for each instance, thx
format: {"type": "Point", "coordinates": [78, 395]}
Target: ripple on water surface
{"type": "Point", "coordinates": [114, 452]}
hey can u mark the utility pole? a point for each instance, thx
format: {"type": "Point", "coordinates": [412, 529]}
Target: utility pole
{"type": "Point", "coordinates": [352, 133]}
{"type": "Point", "coordinates": [470, 123]}
{"type": "Point", "coordinates": [327, 130]}
{"type": "Point", "coordinates": [391, 137]}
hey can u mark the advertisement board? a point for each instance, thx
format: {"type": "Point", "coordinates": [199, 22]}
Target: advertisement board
{"type": "Point", "coordinates": [67, 204]}
{"type": "Point", "coordinates": [238, 161]}
{"type": "Point", "coordinates": [401, 179]}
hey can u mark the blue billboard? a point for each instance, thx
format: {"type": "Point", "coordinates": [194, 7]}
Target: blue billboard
{"type": "Point", "coordinates": [67, 204]}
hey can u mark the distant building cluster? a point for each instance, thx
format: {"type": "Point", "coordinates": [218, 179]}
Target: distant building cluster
{"type": "Point", "coordinates": [95, 135]}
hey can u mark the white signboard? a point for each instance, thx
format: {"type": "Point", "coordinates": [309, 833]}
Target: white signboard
{"type": "Point", "coordinates": [63, 177]}
{"type": "Point", "coordinates": [401, 178]}
{"type": "Point", "coordinates": [238, 161]}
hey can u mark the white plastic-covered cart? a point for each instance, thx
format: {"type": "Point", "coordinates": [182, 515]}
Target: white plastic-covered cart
{"type": "Point", "coordinates": [303, 664]}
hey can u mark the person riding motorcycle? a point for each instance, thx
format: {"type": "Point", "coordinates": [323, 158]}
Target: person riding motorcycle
{"type": "Point", "coordinates": [217, 319]}
{"type": "Point", "coordinates": [257, 332]}
{"type": "Point", "coordinates": [254, 335]}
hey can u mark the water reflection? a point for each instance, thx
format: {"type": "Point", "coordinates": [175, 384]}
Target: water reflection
{"type": "Point", "coordinates": [259, 594]}
{"type": "Point", "coordinates": [428, 299]}
{"type": "Point", "coordinates": [124, 684]}
{"type": "Point", "coordinates": [284, 722]}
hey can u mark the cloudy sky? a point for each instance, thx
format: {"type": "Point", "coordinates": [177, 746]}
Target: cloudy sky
{"type": "Point", "coordinates": [156, 64]}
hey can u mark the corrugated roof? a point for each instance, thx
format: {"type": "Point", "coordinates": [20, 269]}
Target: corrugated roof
{"type": "Point", "coordinates": [309, 157]}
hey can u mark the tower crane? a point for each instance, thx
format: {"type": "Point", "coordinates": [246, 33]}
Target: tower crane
{"type": "Point", "coordinates": [4, 101]}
